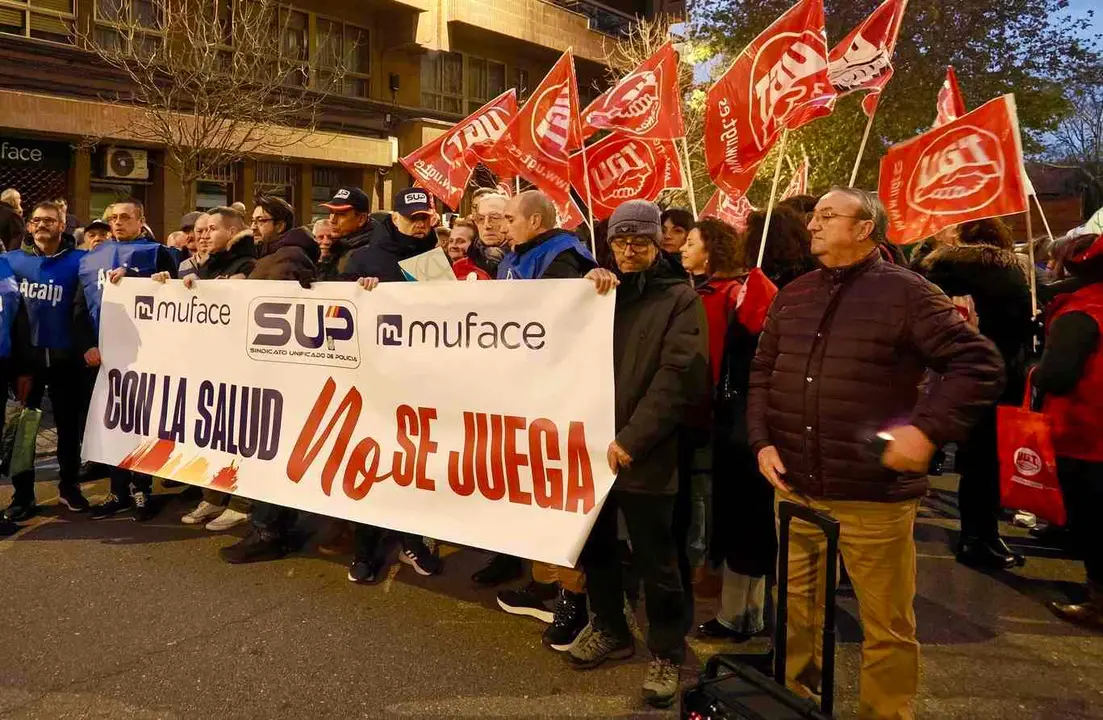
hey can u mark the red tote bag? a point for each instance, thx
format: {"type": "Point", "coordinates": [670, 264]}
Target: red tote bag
{"type": "Point", "coordinates": [1028, 464]}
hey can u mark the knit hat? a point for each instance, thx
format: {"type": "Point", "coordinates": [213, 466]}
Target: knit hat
{"type": "Point", "coordinates": [636, 218]}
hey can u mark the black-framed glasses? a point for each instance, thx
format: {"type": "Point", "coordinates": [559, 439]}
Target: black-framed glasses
{"type": "Point", "coordinates": [637, 244]}
{"type": "Point", "coordinates": [47, 221]}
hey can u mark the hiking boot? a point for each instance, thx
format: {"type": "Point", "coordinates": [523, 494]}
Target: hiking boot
{"type": "Point", "coordinates": [593, 647]}
{"type": "Point", "coordinates": [73, 499]}
{"type": "Point", "coordinates": [568, 622]}
{"type": "Point", "coordinates": [501, 569]}
{"type": "Point", "coordinates": [111, 505]}
{"type": "Point", "coordinates": [661, 685]}
{"type": "Point", "coordinates": [255, 547]}
{"type": "Point", "coordinates": [533, 600]}
{"type": "Point", "coordinates": [417, 555]}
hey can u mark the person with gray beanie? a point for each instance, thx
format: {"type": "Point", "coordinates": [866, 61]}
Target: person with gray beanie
{"type": "Point", "coordinates": [660, 369]}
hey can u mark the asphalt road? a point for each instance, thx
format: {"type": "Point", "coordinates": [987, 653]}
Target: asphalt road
{"type": "Point", "coordinates": [116, 619]}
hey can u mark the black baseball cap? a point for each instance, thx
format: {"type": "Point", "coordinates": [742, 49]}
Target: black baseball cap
{"type": "Point", "coordinates": [349, 198]}
{"type": "Point", "coordinates": [97, 225]}
{"type": "Point", "coordinates": [189, 220]}
{"type": "Point", "coordinates": [411, 201]}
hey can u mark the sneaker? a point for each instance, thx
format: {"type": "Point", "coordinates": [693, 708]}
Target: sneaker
{"type": "Point", "coordinates": [418, 556]}
{"type": "Point", "coordinates": [570, 620]}
{"type": "Point", "coordinates": [72, 498]}
{"type": "Point", "coordinates": [203, 512]}
{"type": "Point", "coordinates": [533, 600]}
{"type": "Point", "coordinates": [593, 647]}
{"type": "Point", "coordinates": [144, 506]}
{"type": "Point", "coordinates": [111, 505]}
{"type": "Point", "coordinates": [228, 519]}
{"type": "Point", "coordinates": [21, 510]}
{"type": "Point", "coordinates": [501, 569]}
{"type": "Point", "coordinates": [364, 571]}
{"type": "Point", "coordinates": [1025, 519]}
{"type": "Point", "coordinates": [255, 547]}
{"type": "Point", "coordinates": [661, 685]}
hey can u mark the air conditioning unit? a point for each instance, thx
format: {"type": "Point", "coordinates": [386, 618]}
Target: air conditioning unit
{"type": "Point", "coordinates": [126, 163]}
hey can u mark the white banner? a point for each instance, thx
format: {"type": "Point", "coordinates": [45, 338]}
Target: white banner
{"type": "Point", "coordinates": [476, 413]}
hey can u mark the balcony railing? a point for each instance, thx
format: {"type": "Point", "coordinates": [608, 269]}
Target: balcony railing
{"type": "Point", "coordinates": [602, 19]}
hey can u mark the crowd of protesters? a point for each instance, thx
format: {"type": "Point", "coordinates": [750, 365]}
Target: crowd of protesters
{"type": "Point", "coordinates": [840, 395]}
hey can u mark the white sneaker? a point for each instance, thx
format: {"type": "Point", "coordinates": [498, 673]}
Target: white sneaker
{"type": "Point", "coordinates": [203, 512]}
{"type": "Point", "coordinates": [228, 519]}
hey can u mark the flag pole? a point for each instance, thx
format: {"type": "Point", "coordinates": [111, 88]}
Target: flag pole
{"type": "Point", "coordinates": [1033, 267]}
{"type": "Point", "coordinates": [1049, 233]}
{"type": "Point", "coordinates": [862, 149]}
{"type": "Point", "coordinates": [773, 194]}
{"type": "Point", "coordinates": [687, 172]}
{"type": "Point", "coordinates": [589, 198]}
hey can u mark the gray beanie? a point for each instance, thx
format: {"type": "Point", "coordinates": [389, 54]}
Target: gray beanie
{"type": "Point", "coordinates": [636, 218]}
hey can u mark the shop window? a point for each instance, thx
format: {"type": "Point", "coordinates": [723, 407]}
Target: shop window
{"type": "Point", "coordinates": [50, 20]}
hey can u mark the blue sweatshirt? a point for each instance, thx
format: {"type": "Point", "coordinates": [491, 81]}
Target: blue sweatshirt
{"type": "Point", "coordinates": [49, 287]}
{"type": "Point", "coordinates": [9, 306]}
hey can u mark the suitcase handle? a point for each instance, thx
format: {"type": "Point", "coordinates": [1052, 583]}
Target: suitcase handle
{"type": "Point", "coordinates": [830, 527]}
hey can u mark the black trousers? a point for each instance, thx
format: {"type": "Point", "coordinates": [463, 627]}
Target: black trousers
{"type": "Point", "coordinates": [978, 494]}
{"type": "Point", "coordinates": [1082, 487]}
{"type": "Point", "coordinates": [368, 541]}
{"type": "Point", "coordinates": [63, 382]}
{"type": "Point", "coordinates": [273, 521]}
{"type": "Point", "coordinates": [650, 520]}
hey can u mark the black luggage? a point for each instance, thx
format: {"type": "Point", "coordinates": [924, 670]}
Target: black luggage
{"type": "Point", "coordinates": [732, 688]}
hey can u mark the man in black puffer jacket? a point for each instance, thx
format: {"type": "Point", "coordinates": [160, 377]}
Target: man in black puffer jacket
{"type": "Point", "coordinates": [406, 233]}
{"type": "Point", "coordinates": [353, 229]}
{"type": "Point", "coordinates": [233, 250]}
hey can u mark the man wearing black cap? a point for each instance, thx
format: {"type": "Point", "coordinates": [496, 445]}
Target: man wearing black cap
{"type": "Point", "coordinates": [407, 232]}
{"type": "Point", "coordinates": [660, 371]}
{"type": "Point", "coordinates": [350, 218]}
{"type": "Point", "coordinates": [95, 233]}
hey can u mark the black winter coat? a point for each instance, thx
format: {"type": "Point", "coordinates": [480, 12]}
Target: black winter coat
{"type": "Point", "coordinates": [291, 256]}
{"type": "Point", "coordinates": [660, 366]}
{"type": "Point", "coordinates": [379, 257]}
{"type": "Point", "coordinates": [12, 227]}
{"type": "Point", "coordinates": [335, 266]}
{"type": "Point", "coordinates": [1001, 293]}
{"type": "Point", "coordinates": [239, 258]}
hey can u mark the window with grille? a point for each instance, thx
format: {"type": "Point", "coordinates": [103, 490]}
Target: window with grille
{"type": "Point", "coordinates": [340, 43]}
{"type": "Point", "coordinates": [50, 20]}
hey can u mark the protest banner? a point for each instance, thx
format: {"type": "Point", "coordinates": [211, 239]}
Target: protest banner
{"type": "Point", "coordinates": [342, 402]}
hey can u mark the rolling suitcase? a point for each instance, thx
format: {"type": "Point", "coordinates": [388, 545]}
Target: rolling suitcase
{"type": "Point", "coordinates": [731, 687]}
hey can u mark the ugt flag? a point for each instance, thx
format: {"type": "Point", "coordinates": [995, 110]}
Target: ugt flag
{"type": "Point", "coordinates": [645, 103]}
{"type": "Point", "coordinates": [625, 168]}
{"type": "Point", "coordinates": [951, 105]}
{"type": "Point", "coordinates": [798, 184]}
{"type": "Point", "coordinates": [968, 169]}
{"type": "Point", "coordinates": [779, 81]}
{"type": "Point", "coordinates": [863, 60]}
{"type": "Point", "coordinates": [734, 212]}
{"type": "Point", "coordinates": [444, 166]}
{"type": "Point", "coordinates": [538, 140]}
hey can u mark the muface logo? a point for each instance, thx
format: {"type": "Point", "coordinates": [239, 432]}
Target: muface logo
{"type": "Point", "coordinates": [551, 121]}
{"type": "Point", "coordinates": [143, 307]}
{"type": "Point", "coordinates": [388, 330]}
{"type": "Point", "coordinates": [861, 63]}
{"type": "Point", "coordinates": [1028, 462]}
{"type": "Point", "coordinates": [623, 173]}
{"type": "Point", "coordinates": [470, 333]}
{"type": "Point", "coordinates": [305, 332]}
{"type": "Point", "coordinates": [192, 312]}
{"type": "Point", "coordinates": [633, 105]}
{"type": "Point", "coordinates": [482, 129]}
{"type": "Point", "coordinates": [962, 171]}
{"type": "Point", "coordinates": [780, 76]}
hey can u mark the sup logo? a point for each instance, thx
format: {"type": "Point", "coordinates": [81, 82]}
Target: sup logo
{"type": "Point", "coordinates": [305, 332]}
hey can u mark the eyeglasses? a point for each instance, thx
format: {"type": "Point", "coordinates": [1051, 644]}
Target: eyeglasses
{"type": "Point", "coordinates": [493, 217]}
{"type": "Point", "coordinates": [47, 221]}
{"type": "Point", "coordinates": [261, 220]}
{"type": "Point", "coordinates": [828, 216]}
{"type": "Point", "coordinates": [637, 244]}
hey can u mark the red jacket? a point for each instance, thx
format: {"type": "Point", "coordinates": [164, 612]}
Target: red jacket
{"type": "Point", "coordinates": [719, 297]}
{"type": "Point", "coordinates": [1077, 416]}
{"type": "Point", "coordinates": [465, 266]}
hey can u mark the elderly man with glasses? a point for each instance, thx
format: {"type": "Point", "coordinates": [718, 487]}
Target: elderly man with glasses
{"type": "Point", "coordinates": [838, 424]}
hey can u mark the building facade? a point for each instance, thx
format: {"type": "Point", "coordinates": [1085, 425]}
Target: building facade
{"type": "Point", "coordinates": [414, 68]}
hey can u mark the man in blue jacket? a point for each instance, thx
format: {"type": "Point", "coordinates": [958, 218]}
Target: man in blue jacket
{"type": "Point", "coordinates": [47, 268]}
{"type": "Point", "coordinates": [538, 249]}
{"type": "Point", "coordinates": [134, 253]}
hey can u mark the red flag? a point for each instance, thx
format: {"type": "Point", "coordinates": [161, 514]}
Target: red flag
{"type": "Point", "coordinates": [968, 169]}
{"type": "Point", "coordinates": [645, 103]}
{"type": "Point", "coordinates": [542, 134]}
{"type": "Point", "coordinates": [754, 300]}
{"type": "Point", "coordinates": [570, 215]}
{"type": "Point", "coordinates": [863, 60]}
{"type": "Point", "coordinates": [444, 166]}
{"type": "Point", "coordinates": [778, 81]}
{"type": "Point", "coordinates": [951, 105]}
{"type": "Point", "coordinates": [625, 168]}
{"type": "Point", "coordinates": [798, 184]}
{"type": "Point", "coordinates": [733, 212]}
